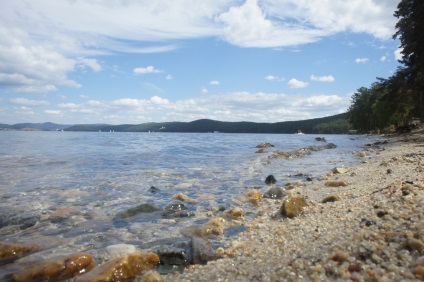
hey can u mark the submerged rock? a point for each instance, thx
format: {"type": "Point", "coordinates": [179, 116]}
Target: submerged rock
{"type": "Point", "coordinates": [122, 269]}
{"type": "Point", "coordinates": [176, 210]}
{"type": "Point", "coordinates": [14, 222]}
{"type": "Point", "coordinates": [293, 207]}
{"type": "Point", "coordinates": [253, 196]}
{"type": "Point", "coordinates": [212, 227]}
{"type": "Point", "coordinates": [143, 208]}
{"type": "Point", "coordinates": [261, 151]}
{"type": "Point", "coordinates": [183, 198]}
{"type": "Point", "coordinates": [234, 213]}
{"type": "Point", "coordinates": [10, 252]}
{"type": "Point", "coordinates": [275, 193]}
{"type": "Point", "coordinates": [56, 269]}
{"type": "Point", "coordinates": [201, 250]}
{"type": "Point", "coordinates": [174, 251]}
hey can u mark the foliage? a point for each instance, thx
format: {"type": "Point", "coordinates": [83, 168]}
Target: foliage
{"type": "Point", "coordinates": [394, 101]}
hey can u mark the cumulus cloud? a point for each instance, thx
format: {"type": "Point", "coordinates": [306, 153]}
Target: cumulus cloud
{"type": "Point", "coordinates": [273, 78]}
{"type": "Point", "coordinates": [361, 60]}
{"type": "Point", "coordinates": [383, 59]}
{"type": "Point", "coordinates": [214, 82]}
{"type": "Point", "coordinates": [146, 70]}
{"type": "Point", "coordinates": [325, 78]}
{"type": "Point", "coordinates": [294, 83]}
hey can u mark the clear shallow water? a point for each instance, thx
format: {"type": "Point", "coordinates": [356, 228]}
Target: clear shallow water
{"type": "Point", "coordinates": [95, 176]}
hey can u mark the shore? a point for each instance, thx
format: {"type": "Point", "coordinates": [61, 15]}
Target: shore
{"type": "Point", "coordinates": [371, 229]}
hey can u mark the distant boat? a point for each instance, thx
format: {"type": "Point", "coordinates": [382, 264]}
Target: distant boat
{"type": "Point", "coordinates": [300, 132]}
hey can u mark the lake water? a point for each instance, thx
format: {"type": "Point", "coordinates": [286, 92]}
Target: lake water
{"type": "Point", "coordinates": [90, 178]}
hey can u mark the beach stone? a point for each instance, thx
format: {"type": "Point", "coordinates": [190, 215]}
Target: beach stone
{"type": "Point", "coordinates": [264, 145]}
{"type": "Point", "coordinates": [253, 196]}
{"type": "Point", "coordinates": [10, 252]}
{"type": "Point", "coordinates": [234, 213]}
{"type": "Point", "coordinates": [320, 139]}
{"type": "Point", "coordinates": [202, 251]}
{"type": "Point", "coordinates": [124, 268]}
{"type": "Point", "coordinates": [176, 210]}
{"type": "Point", "coordinates": [335, 183]}
{"type": "Point", "coordinates": [154, 190]}
{"type": "Point", "coordinates": [275, 193]}
{"type": "Point", "coordinates": [414, 244]}
{"type": "Point", "coordinates": [270, 179]}
{"type": "Point", "coordinates": [340, 170]}
{"type": "Point", "coordinates": [330, 199]}
{"type": "Point", "coordinates": [419, 272]}
{"type": "Point", "coordinates": [261, 151]}
{"type": "Point", "coordinates": [56, 269]}
{"type": "Point", "coordinates": [362, 154]}
{"type": "Point", "coordinates": [63, 213]}
{"type": "Point", "coordinates": [183, 198]}
{"type": "Point", "coordinates": [212, 227]}
{"type": "Point", "coordinates": [293, 207]}
{"type": "Point", "coordinates": [174, 251]}
{"type": "Point", "coordinates": [143, 208]}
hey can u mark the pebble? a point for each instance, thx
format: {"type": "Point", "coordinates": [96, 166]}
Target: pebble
{"type": "Point", "coordinates": [56, 269]}
{"type": "Point", "coordinates": [253, 196]}
{"type": "Point", "coordinates": [234, 213]}
{"type": "Point", "coordinates": [121, 269]}
{"type": "Point", "coordinates": [335, 183]}
{"type": "Point", "coordinates": [330, 199]}
{"type": "Point", "coordinates": [293, 207]}
{"type": "Point", "coordinates": [182, 197]}
{"type": "Point", "coordinates": [14, 251]}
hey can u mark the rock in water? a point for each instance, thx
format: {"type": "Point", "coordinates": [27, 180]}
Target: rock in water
{"type": "Point", "coordinates": [202, 251]}
{"type": "Point", "coordinates": [121, 269]}
{"type": "Point", "coordinates": [57, 269]}
{"type": "Point", "coordinates": [293, 207]}
{"type": "Point", "coordinates": [264, 145]}
{"type": "Point", "coordinates": [253, 196]}
{"type": "Point", "coordinates": [340, 170]}
{"type": "Point", "coordinates": [234, 213]}
{"type": "Point", "coordinates": [143, 208]}
{"type": "Point", "coordinates": [275, 193]}
{"type": "Point", "coordinates": [10, 252]}
{"type": "Point", "coordinates": [270, 179]}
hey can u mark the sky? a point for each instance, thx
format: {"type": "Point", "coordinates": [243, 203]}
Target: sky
{"type": "Point", "coordinates": [138, 61]}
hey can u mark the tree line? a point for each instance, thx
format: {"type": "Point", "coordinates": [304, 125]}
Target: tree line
{"type": "Point", "coordinates": [394, 101]}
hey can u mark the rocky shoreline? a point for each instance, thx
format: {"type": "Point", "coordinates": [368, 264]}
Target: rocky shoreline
{"type": "Point", "coordinates": [370, 229]}
{"type": "Point", "coordinates": [363, 223]}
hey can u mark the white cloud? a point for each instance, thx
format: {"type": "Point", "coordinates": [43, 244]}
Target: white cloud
{"type": "Point", "coordinates": [294, 83]}
{"type": "Point", "coordinates": [53, 112]}
{"type": "Point", "coordinates": [361, 60]}
{"type": "Point", "coordinates": [214, 82]}
{"type": "Point", "coordinates": [29, 103]}
{"type": "Point", "coordinates": [169, 77]}
{"type": "Point", "coordinates": [274, 78]}
{"type": "Point", "coordinates": [398, 54]}
{"type": "Point", "coordinates": [326, 78]}
{"type": "Point", "coordinates": [146, 70]}
{"type": "Point", "coordinates": [383, 59]}
{"type": "Point", "coordinates": [42, 43]}
{"type": "Point", "coordinates": [204, 90]}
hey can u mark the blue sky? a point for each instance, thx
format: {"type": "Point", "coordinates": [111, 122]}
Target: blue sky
{"type": "Point", "coordinates": [137, 61]}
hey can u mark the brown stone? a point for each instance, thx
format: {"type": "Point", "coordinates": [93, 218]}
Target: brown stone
{"type": "Point", "coordinates": [14, 251]}
{"type": "Point", "coordinates": [331, 198]}
{"type": "Point", "coordinates": [335, 183]}
{"type": "Point", "coordinates": [183, 198]}
{"type": "Point", "coordinates": [234, 213]}
{"type": "Point", "coordinates": [264, 145]}
{"type": "Point", "coordinates": [419, 272]}
{"type": "Point", "coordinates": [253, 196]}
{"type": "Point", "coordinates": [293, 207]}
{"type": "Point", "coordinates": [340, 170]}
{"type": "Point", "coordinates": [261, 151]}
{"type": "Point", "coordinates": [212, 227]}
{"type": "Point", "coordinates": [152, 276]}
{"type": "Point", "coordinates": [56, 269]}
{"type": "Point", "coordinates": [122, 269]}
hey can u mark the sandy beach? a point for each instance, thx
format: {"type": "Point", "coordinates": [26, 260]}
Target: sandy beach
{"type": "Point", "coordinates": [370, 229]}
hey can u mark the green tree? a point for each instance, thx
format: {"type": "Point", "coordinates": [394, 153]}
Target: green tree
{"type": "Point", "coordinates": [410, 32]}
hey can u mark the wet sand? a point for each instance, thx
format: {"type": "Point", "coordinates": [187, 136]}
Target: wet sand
{"type": "Point", "coordinates": [372, 231]}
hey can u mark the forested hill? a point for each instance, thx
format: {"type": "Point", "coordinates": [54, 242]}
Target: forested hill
{"type": "Point", "coordinates": [327, 125]}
